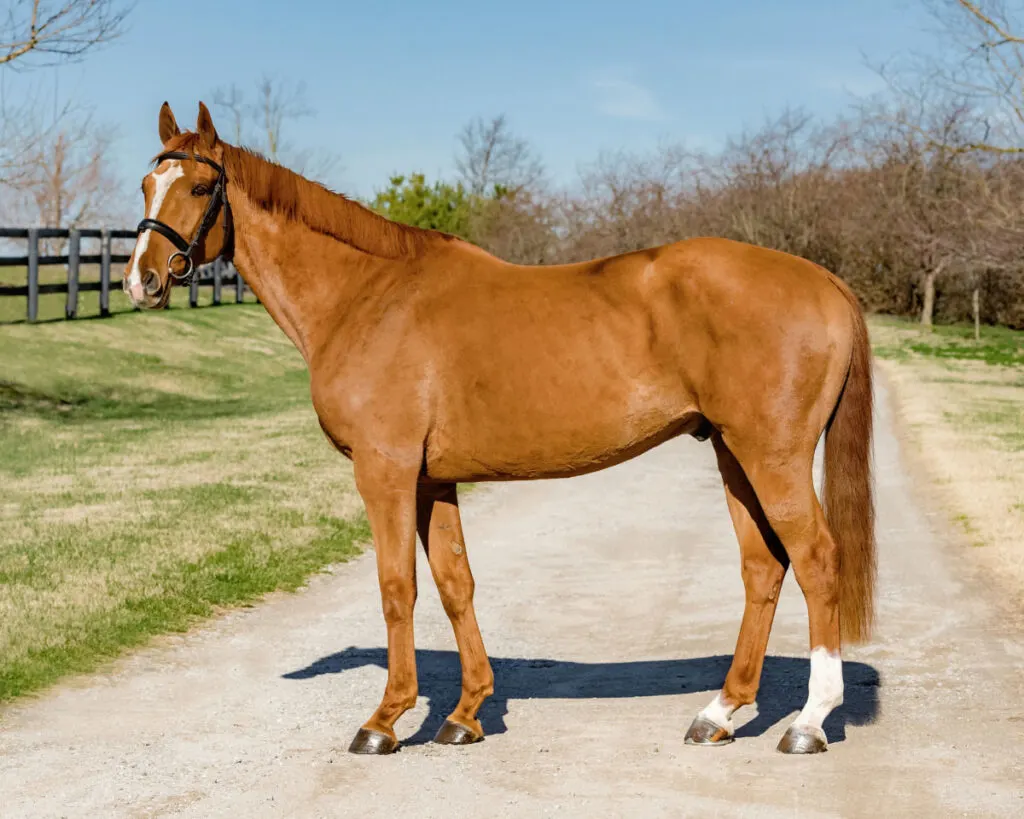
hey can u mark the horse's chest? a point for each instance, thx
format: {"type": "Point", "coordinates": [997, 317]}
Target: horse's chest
{"type": "Point", "coordinates": [363, 415]}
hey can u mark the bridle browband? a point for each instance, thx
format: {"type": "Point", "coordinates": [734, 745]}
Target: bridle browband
{"type": "Point", "coordinates": [185, 248]}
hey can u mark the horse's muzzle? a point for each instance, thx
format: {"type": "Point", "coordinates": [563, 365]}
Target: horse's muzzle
{"type": "Point", "coordinates": [145, 292]}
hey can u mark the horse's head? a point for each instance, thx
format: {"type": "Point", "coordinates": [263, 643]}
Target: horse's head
{"type": "Point", "coordinates": [187, 220]}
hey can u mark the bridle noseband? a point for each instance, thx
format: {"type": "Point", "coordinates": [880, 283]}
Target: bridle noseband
{"type": "Point", "coordinates": [186, 248]}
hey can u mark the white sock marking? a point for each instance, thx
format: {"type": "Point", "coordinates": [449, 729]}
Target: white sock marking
{"type": "Point", "coordinates": [825, 690]}
{"type": "Point", "coordinates": [164, 180]}
{"type": "Point", "coordinates": [720, 713]}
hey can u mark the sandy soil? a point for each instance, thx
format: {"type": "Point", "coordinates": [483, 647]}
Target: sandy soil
{"type": "Point", "coordinates": [610, 604]}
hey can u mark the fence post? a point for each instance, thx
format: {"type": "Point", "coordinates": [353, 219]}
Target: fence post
{"type": "Point", "coordinates": [33, 273]}
{"type": "Point", "coordinates": [193, 290]}
{"type": "Point", "coordinates": [74, 251]}
{"type": "Point", "coordinates": [239, 287]}
{"type": "Point", "coordinates": [105, 272]}
{"type": "Point", "coordinates": [216, 281]}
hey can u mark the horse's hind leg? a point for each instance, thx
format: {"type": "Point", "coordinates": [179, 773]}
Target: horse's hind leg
{"type": "Point", "coordinates": [763, 563]}
{"type": "Point", "coordinates": [785, 487]}
{"type": "Point", "coordinates": [440, 528]}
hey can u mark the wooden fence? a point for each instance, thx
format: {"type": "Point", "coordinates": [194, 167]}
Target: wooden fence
{"type": "Point", "coordinates": [218, 274]}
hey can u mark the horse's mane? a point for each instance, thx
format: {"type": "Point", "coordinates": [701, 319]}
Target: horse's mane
{"type": "Point", "coordinates": [281, 191]}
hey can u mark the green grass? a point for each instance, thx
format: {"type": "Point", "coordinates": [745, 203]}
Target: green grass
{"type": "Point", "coordinates": [243, 570]}
{"type": "Point", "coordinates": [155, 468]}
{"type": "Point", "coordinates": [988, 404]}
{"type": "Point", "coordinates": [999, 346]}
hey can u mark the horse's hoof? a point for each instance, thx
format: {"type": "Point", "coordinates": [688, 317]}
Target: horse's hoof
{"type": "Point", "coordinates": [454, 733]}
{"type": "Point", "coordinates": [705, 732]}
{"type": "Point", "coordinates": [803, 739]}
{"type": "Point", "coordinates": [372, 742]}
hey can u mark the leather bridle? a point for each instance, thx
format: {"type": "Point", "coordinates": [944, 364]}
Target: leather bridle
{"type": "Point", "coordinates": [185, 248]}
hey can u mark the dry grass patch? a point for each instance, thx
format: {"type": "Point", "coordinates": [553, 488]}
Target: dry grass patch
{"type": "Point", "coordinates": [962, 403]}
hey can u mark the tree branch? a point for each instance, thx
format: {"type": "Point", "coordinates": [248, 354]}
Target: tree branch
{"type": "Point", "coordinates": [66, 31]}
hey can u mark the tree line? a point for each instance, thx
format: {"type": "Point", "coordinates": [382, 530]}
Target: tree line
{"type": "Point", "coordinates": [915, 222]}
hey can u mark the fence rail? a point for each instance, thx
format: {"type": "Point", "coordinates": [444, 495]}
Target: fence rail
{"type": "Point", "coordinates": [218, 274]}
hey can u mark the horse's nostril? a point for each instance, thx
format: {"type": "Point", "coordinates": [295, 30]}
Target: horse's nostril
{"type": "Point", "coordinates": [151, 283]}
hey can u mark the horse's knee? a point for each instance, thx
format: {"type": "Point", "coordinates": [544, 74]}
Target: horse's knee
{"type": "Point", "coordinates": [399, 599]}
{"type": "Point", "coordinates": [456, 594]}
{"type": "Point", "coordinates": [762, 579]}
{"type": "Point", "coordinates": [817, 568]}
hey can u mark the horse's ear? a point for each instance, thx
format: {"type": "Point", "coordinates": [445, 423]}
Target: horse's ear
{"type": "Point", "coordinates": [204, 127]}
{"type": "Point", "coordinates": [168, 125]}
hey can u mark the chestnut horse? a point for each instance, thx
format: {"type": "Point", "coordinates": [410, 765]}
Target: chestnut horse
{"type": "Point", "coordinates": [432, 362]}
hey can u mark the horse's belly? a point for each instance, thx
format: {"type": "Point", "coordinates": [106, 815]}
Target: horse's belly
{"type": "Point", "coordinates": [570, 392]}
{"type": "Point", "coordinates": [527, 444]}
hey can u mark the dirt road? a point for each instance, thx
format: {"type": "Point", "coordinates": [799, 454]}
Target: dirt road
{"type": "Point", "coordinates": [610, 604]}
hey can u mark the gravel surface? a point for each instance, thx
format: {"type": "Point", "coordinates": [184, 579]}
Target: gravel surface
{"type": "Point", "coordinates": [609, 605]}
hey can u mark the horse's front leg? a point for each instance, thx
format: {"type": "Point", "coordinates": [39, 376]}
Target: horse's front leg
{"type": "Point", "coordinates": [440, 528]}
{"type": "Point", "coordinates": [387, 484]}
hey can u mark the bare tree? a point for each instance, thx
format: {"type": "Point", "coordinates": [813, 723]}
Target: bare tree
{"type": "Point", "coordinates": [69, 181]}
{"type": "Point", "coordinates": [924, 198]}
{"type": "Point", "coordinates": [231, 100]}
{"type": "Point", "coordinates": [73, 182]}
{"type": "Point", "coordinates": [628, 202]}
{"type": "Point", "coordinates": [262, 122]}
{"type": "Point", "coordinates": [21, 132]}
{"type": "Point", "coordinates": [980, 68]}
{"type": "Point", "coordinates": [912, 225]}
{"type": "Point", "coordinates": [987, 67]}
{"type": "Point", "coordinates": [37, 33]}
{"type": "Point", "coordinates": [278, 102]}
{"type": "Point", "coordinates": [492, 156]}
{"type": "Point", "coordinates": [995, 233]}
{"type": "Point", "coordinates": [779, 186]}
{"type": "Point", "coordinates": [45, 32]}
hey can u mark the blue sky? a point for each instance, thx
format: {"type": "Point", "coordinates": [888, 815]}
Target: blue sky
{"type": "Point", "coordinates": [393, 82]}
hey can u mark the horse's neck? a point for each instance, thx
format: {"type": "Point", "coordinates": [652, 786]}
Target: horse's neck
{"type": "Point", "coordinates": [302, 278]}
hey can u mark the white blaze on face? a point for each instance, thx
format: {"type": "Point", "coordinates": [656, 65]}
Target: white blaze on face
{"type": "Point", "coordinates": [164, 180]}
{"type": "Point", "coordinates": [825, 690]}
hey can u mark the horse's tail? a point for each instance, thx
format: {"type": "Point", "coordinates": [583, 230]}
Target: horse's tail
{"type": "Point", "coordinates": [847, 492]}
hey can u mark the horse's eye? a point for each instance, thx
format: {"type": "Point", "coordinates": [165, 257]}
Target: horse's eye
{"type": "Point", "coordinates": [200, 190]}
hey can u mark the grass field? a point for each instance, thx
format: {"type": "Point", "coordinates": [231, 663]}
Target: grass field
{"type": "Point", "coordinates": [154, 468]}
{"type": "Point", "coordinates": [962, 403]}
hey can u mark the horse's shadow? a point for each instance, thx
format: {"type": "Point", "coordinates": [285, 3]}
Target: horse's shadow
{"type": "Point", "coordinates": [783, 685]}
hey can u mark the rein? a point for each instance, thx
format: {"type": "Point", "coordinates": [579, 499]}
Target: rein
{"type": "Point", "coordinates": [185, 248]}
